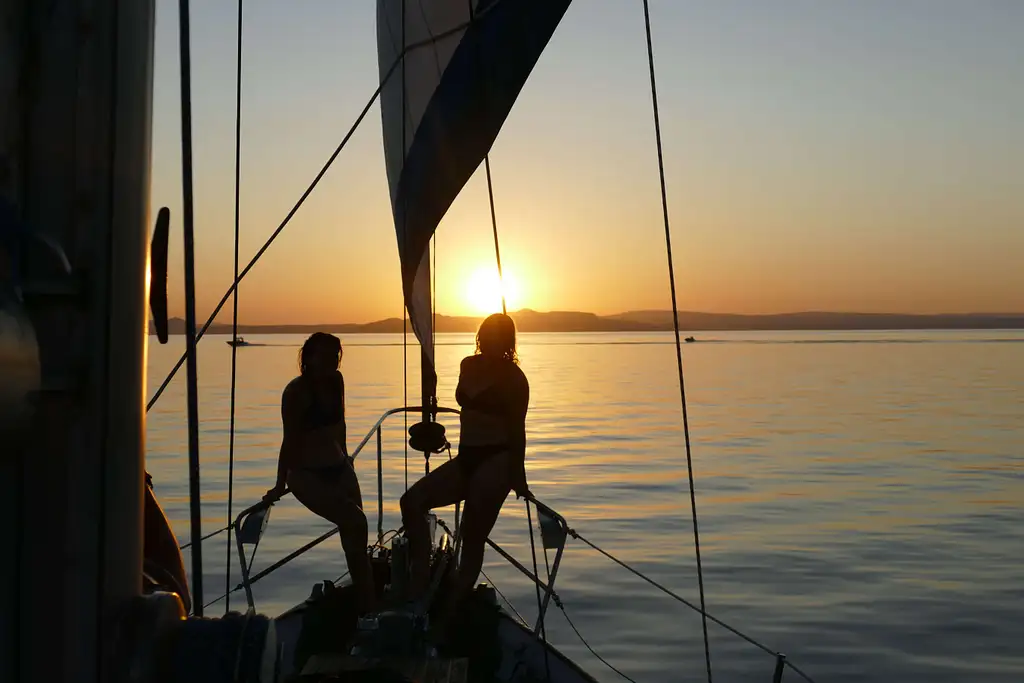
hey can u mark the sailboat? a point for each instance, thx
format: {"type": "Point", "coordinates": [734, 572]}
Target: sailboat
{"type": "Point", "coordinates": [94, 586]}
{"type": "Point", "coordinates": [450, 72]}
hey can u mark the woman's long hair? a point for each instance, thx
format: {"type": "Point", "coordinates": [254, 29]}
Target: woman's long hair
{"type": "Point", "coordinates": [316, 341]}
{"type": "Point", "coordinates": [497, 337]}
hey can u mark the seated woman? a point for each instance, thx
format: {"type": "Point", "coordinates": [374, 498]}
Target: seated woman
{"type": "Point", "coordinates": [494, 395]}
{"type": "Point", "coordinates": [314, 461]}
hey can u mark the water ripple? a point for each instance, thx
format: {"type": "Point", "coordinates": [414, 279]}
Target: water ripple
{"type": "Point", "coordinates": [860, 495]}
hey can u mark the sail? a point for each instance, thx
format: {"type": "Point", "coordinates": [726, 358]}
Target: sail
{"type": "Point", "coordinates": [450, 72]}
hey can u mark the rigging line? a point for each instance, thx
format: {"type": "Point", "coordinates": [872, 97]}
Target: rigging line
{"type": "Point", "coordinates": [490, 193]}
{"type": "Point", "coordinates": [675, 325]}
{"type": "Point", "coordinates": [216, 600]}
{"type": "Point", "coordinates": [234, 312]}
{"type": "Point", "coordinates": [433, 305]}
{"type": "Point", "coordinates": [540, 602]}
{"type": "Point", "coordinates": [502, 596]}
{"type": "Point", "coordinates": [587, 645]}
{"type": "Point", "coordinates": [405, 145]}
{"type": "Point", "coordinates": [798, 672]}
{"type": "Point", "coordinates": [433, 235]}
{"type": "Point", "coordinates": [405, 302]}
{"type": "Point", "coordinates": [323, 171]}
{"type": "Point", "coordinates": [547, 565]}
{"type": "Point", "coordinates": [207, 536]}
{"type": "Point", "coordinates": [494, 229]}
{"type": "Point", "coordinates": [405, 385]}
{"type": "Point", "coordinates": [671, 594]}
{"type": "Point", "coordinates": [266, 245]}
{"type": "Point", "coordinates": [284, 223]}
{"type": "Point", "coordinates": [195, 513]}
{"type": "Point", "coordinates": [270, 240]}
{"type": "Point", "coordinates": [240, 586]}
{"type": "Point", "coordinates": [406, 117]}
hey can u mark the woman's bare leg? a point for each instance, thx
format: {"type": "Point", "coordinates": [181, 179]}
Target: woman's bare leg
{"type": "Point", "coordinates": [331, 502]}
{"type": "Point", "coordinates": [444, 486]}
{"type": "Point", "coordinates": [487, 491]}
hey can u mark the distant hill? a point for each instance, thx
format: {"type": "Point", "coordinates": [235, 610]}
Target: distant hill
{"type": "Point", "coordinates": [653, 321]}
{"type": "Point", "coordinates": [819, 320]}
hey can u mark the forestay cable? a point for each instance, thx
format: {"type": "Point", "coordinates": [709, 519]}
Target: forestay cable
{"type": "Point", "coordinates": [675, 325]}
{"type": "Point", "coordinates": [587, 645]}
{"type": "Point", "coordinates": [305, 195]}
{"type": "Point", "coordinates": [266, 245]}
{"type": "Point", "coordinates": [494, 229]}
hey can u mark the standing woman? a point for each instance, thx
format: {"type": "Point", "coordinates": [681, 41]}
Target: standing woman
{"type": "Point", "coordinates": [314, 461]}
{"type": "Point", "coordinates": [494, 395]}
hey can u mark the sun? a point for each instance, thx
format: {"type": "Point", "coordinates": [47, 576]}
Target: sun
{"type": "Point", "coordinates": [484, 288]}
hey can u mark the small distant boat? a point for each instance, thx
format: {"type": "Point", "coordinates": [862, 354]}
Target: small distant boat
{"type": "Point", "coordinates": [238, 341]}
{"type": "Point", "coordinates": [689, 340]}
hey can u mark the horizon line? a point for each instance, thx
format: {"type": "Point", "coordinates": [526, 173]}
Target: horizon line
{"type": "Point", "coordinates": [528, 320]}
{"type": "Point", "coordinates": [640, 311]}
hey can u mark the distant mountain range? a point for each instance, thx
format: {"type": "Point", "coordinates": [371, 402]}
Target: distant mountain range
{"type": "Point", "coordinates": [654, 321]}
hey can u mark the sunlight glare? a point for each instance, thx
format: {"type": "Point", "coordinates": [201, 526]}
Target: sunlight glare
{"type": "Point", "coordinates": [483, 291]}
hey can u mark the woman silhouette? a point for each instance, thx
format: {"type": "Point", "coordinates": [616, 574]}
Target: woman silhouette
{"type": "Point", "coordinates": [314, 461]}
{"type": "Point", "coordinates": [494, 395]}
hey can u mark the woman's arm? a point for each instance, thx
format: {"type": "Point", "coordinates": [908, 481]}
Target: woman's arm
{"type": "Point", "coordinates": [485, 392]}
{"type": "Point", "coordinates": [520, 403]}
{"type": "Point", "coordinates": [290, 442]}
{"type": "Point", "coordinates": [460, 392]}
{"type": "Point", "coordinates": [520, 406]}
{"type": "Point", "coordinates": [341, 429]}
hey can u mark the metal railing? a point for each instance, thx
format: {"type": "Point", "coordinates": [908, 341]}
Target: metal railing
{"type": "Point", "coordinates": [251, 523]}
{"type": "Point", "coordinates": [376, 429]}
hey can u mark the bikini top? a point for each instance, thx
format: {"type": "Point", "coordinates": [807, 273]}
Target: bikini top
{"type": "Point", "coordinates": [326, 413]}
{"type": "Point", "coordinates": [504, 396]}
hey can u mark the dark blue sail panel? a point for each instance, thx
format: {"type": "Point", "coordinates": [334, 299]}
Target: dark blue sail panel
{"type": "Point", "coordinates": [466, 62]}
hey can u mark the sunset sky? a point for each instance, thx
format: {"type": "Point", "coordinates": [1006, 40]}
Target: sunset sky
{"type": "Point", "coordinates": [862, 156]}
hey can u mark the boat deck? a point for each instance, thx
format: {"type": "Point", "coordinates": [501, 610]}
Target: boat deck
{"type": "Point", "coordinates": [321, 640]}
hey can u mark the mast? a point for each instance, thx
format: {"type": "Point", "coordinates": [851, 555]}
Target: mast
{"type": "Point", "coordinates": [428, 380]}
{"type": "Point", "coordinates": [75, 129]}
{"type": "Point", "coordinates": [428, 385]}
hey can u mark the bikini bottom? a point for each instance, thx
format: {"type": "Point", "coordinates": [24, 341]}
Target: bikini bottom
{"type": "Point", "coordinates": [471, 457]}
{"type": "Point", "coordinates": [329, 474]}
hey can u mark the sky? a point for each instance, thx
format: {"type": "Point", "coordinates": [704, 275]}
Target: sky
{"type": "Point", "coordinates": [845, 156]}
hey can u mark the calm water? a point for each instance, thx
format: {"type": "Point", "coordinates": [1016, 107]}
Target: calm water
{"type": "Point", "coordinates": [860, 495]}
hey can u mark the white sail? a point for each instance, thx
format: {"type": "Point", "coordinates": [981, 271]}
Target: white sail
{"type": "Point", "coordinates": [451, 71]}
